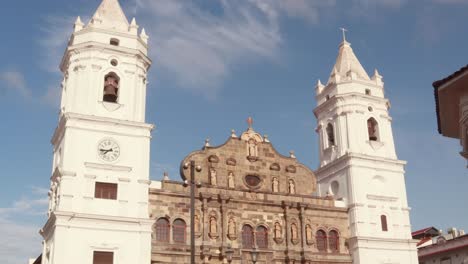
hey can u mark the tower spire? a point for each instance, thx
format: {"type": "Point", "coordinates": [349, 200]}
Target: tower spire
{"type": "Point", "coordinates": [110, 15]}
{"type": "Point", "coordinates": [347, 64]}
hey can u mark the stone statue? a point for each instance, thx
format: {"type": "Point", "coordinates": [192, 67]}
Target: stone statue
{"type": "Point", "coordinates": [292, 187]}
{"type": "Point", "coordinates": [197, 224]}
{"type": "Point", "coordinates": [213, 176]}
{"type": "Point", "coordinates": [278, 230]}
{"type": "Point", "coordinates": [275, 185]}
{"type": "Point", "coordinates": [213, 225]}
{"type": "Point", "coordinates": [294, 232]}
{"type": "Point", "coordinates": [308, 233]}
{"type": "Point", "coordinates": [252, 148]}
{"type": "Point", "coordinates": [231, 180]}
{"type": "Point", "coordinates": [231, 227]}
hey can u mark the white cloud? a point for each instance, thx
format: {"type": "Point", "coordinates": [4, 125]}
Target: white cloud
{"type": "Point", "coordinates": [15, 80]}
{"type": "Point", "coordinates": [198, 46]}
{"type": "Point", "coordinates": [18, 242]}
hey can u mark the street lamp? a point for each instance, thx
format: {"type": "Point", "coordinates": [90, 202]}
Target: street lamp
{"type": "Point", "coordinates": [254, 255]}
{"type": "Point", "coordinates": [229, 251]}
{"type": "Point", "coordinates": [192, 206]}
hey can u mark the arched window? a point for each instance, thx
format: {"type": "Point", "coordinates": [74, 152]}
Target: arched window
{"type": "Point", "coordinates": [262, 237]}
{"type": "Point", "coordinates": [162, 230]}
{"type": "Point", "coordinates": [334, 241]}
{"type": "Point", "coordinates": [247, 237]}
{"type": "Point", "coordinates": [321, 238]}
{"type": "Point", "coordinates": [383, 222]}
{"type": "Point", "coordinates": [373, 129]}
{"type": "Point", "coordinates": [330, 135]}
{"type": "Point", "coordinates": [178, 231]}
{"type": "Point", "coordinates": [111, 88]}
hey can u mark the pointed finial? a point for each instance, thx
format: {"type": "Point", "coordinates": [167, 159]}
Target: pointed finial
{"type": "Point", "coordinates": [233, 133]}
{"type": "Point", "coordinates": [344, 30]}
{"type": "Point", "coordinates": [133, 28]}
{"type": "Point", "coordinates": [265, 139]}
{"type": "Point", "coordinates": [377, 78]}
{"type": "Point", "coordinates": [319, 87]}
{"type": "Point", "coordinates": [78, 24]}
{"type": "Point", "coordinates": [143, 36]}
{"type": "Point", "coordinates": [207, 142]}
{"type": "Point", "coordinates": [166, 176]}
{"type": "Point", "coordinates": [250, 122]}
{"type": "Point", "coordinates": [291, 154]}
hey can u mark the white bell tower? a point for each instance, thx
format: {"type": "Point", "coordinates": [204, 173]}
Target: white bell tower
{"type": "Point", "coordinates": [98, 210]}
{"type": "Point", "coordinates": [359, 165]}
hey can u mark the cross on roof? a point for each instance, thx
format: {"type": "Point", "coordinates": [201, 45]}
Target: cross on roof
{"type": "Point", "coordinates": [250, 121]}
{"type": "Point", "coordinates": [344, 30]}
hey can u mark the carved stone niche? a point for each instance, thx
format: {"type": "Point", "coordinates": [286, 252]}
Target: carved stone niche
{"type": "Point", "coordinates": [213, 159]}
{"type": "Point", "coordinates": [294, 233]}
{"type": "Point", "coordinates": [291, 169]}
{"type": "Point", "coordinates": [213, 227]}
{"type": "Point", "coordinates": [231, 162]}
{"type": "Point", "coordinates": [309, 234]}
{"type": "Point", "coordinates": [232, 228]}
{"type": "Point", "coordinates": [278, 233]}
{"type": "Point", "coordinates": [275, 167]}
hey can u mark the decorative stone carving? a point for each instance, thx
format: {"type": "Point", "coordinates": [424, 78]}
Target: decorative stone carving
{"type": "Point", "coordinates": [231, 180]}
{"type": "Point", "coordinates": [213, 227]}
{"type": "Point", "coordinates": [291, 169]}
{"type": "Point", "coordinates": [197, 226]}
{"type": "Point", "coordinates": [213, 180]}
{"type": "Point", "coordinates": [292, 187]}
{"type": "Point", "coordinates": [275, 167]}
{"type": "Point", "coordinates": [309, 235]}
{"type": "Point", "coordinates": [294, 233]}
{"type": "Point", "coordinates": [232, 234]}
{"type": "Point", "coordinates": [253, 151]}
{"type": "Point", "coordinates": [278, 233]}
{"type": "Point", "coordinates": [213, 159]}
{"type": "Point", "coordinates": [231, 162]}
{"type": "Point", "coordinates": [275, 185]}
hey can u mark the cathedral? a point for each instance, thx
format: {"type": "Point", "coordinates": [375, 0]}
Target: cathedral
{"type": "Point", "coordinates": [240, 202]}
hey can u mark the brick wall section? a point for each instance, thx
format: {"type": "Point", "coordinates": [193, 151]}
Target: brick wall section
{"type": "Point", "coordinates": [255, 206]}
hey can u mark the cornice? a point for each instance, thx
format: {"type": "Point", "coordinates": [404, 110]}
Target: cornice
{"type": "Point", "coordinates": [65, 118]}
{"type": "Point", "coordinates": [333, 102]}
{"type": "Point", "coordinates": [345, 162]}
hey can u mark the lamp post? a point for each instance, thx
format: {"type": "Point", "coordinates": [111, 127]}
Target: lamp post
{"type": "Point", "coordinates": [254, 255]}
{"type": "Point", "coordinates": [229, 251]}
{"type": "Point", "coordinates": [192, 206]}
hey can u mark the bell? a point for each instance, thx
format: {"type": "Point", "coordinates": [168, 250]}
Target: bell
{"type": "Point", "coordinates": [110, 89]}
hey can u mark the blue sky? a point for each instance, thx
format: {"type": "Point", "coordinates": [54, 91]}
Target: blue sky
{"type": "Point", "coordinates": [218, 62]}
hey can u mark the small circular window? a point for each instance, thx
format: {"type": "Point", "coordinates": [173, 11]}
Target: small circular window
{"type": "Point", "coordinates": [252, 180]}
{"type": "Point", "coordinates": [370, 109]}
{"type": "Point", "coordinates": [114, 62]}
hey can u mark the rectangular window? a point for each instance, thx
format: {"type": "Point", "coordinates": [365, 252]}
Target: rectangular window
{"type": "Point", "coordinates": [100, 257]}
{"type": "Point", "coordinates": [105, 191]}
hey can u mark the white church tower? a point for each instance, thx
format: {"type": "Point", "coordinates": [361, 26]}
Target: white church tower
{"type": "Point", "coordinates": [359, 165]}
{"type": "Point", "coordinates": [98, 209]}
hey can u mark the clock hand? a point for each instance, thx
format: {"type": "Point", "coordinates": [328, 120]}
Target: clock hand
{"type": "Point", "coordinates": [109, 150]}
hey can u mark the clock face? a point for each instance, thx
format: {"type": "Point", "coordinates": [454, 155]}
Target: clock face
{"type": "Point", "coordinates": [108, 150]}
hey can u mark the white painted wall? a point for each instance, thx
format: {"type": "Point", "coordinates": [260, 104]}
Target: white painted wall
{"type": "Point", "coordinates": [364, 175]}
{"type": "Point", "coordinates": [78, 223]}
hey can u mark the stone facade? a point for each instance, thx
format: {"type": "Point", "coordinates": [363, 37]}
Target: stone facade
{"type": "Point", "coordinates": [243, 182]}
